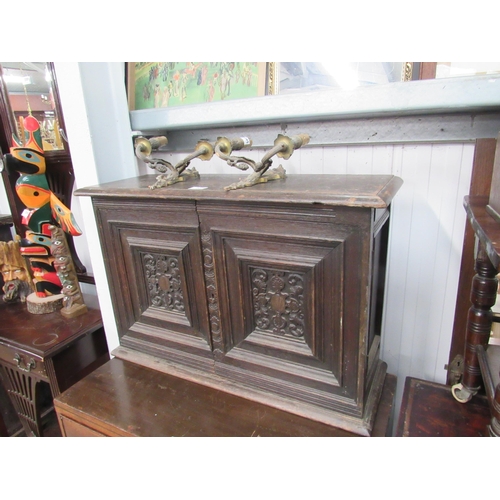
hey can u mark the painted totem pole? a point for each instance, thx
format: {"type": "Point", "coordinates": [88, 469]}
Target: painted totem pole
{"type": "Point", "coordinates": [43, 209]}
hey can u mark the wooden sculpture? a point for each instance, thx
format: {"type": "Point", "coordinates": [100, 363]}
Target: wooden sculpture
{"type": "Point", "coordinates": [73, 304]}
{"type": "Point", "coordinates": [43, 208]}
{"type": "Point", "coordinates": [17, 280]}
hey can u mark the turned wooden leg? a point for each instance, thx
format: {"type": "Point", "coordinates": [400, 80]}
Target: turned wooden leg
{"type": "Point", "coordinates": [479, 320]}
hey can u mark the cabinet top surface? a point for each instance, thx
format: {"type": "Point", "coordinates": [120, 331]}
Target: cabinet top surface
{"type": "Point", "coordinates": [375, 191]}
{"type": "Point", "coordinates": [44, 334]}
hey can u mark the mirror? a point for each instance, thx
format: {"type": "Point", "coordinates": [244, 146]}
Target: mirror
{"type": "Point", "coordinates": [30, 90]}
{"type": "Point", "coordinates": [462, 69]}
{"type": "Point", "coordinates": [310, 76]}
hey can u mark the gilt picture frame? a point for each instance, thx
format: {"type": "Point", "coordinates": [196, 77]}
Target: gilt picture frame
{"type": "Point", "coordinates": [166, 84]}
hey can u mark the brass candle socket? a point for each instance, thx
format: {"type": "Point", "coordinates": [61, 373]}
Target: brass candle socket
{"type": "Point", "coordinates": [283, 147]}
{"type": "Point", "coordinates": [170, 174]}
{"type": "Point", "coordinates": [224, 147]}
{"type": "Point", "coordinates": [144, 147]}
{"type": "Point", "coordinates": [290, 144]}
{"type": "Point", "coordinates": [203, 151]}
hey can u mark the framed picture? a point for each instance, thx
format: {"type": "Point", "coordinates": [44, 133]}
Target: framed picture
{"type": "Point", "coordinates": [165, 84]}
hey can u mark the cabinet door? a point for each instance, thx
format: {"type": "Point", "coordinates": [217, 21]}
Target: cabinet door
{"type": "Point", "coordinates": [155, 269]}
{"type": "Point", "coordinates": [290, 292]}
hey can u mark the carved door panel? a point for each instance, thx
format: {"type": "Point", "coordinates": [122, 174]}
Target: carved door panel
{"type": "Point", "coordinates": [156, 278]}
{"type": "Point", "coordinates": [290, 292]}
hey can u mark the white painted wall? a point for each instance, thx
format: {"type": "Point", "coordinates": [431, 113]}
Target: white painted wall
{"type": "Point", "coordinates": [98, 129]}
{"type": "Point", "coordinates": [428, 220]}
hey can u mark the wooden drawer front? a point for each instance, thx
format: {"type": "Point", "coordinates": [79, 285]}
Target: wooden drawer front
{"type": "Point", "coordinates": [23, 361]}
{"type": "Point", "coordinates": [70, 428]}
{"type": "Point", "coordinates": [78, 419]}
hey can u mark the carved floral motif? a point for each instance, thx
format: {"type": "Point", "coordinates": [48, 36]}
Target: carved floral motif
{"type": "Point", "coordinates": [278, 301]}
{"type": "Point", "coordinates": [211, 290]}
{"type": "Point", "coordinates": [163, 281]}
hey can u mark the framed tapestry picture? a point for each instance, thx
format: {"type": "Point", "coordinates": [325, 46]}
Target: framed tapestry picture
{"type": "Point", "coordinates": [166, 84]}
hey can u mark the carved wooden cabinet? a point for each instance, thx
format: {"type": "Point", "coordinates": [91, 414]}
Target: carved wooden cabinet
{"type": "Point", "coordinates": [273, 292]}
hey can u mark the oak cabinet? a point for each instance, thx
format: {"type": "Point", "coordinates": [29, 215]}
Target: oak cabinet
{"type": "Point", "coordinates": [273, 293]}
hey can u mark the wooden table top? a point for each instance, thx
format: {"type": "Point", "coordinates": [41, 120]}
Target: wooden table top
{"type": "Point", "coordinates": [134, 400]}
{"type": "Point", "coordinates": [45, 334]}
{"type": "Point", "coordinates": [429, 409]}
{"type": "Point", "coordinates": [375, 191]}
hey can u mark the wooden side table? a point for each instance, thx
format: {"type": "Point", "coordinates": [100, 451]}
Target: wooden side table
{"type": "Point", "coordinates": [47, 348]}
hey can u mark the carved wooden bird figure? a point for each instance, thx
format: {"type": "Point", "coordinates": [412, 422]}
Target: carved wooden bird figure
{"type": "Point", "coordinates": [32, 186]}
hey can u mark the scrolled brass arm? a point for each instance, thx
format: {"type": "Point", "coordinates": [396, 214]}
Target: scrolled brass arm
{"type": "Point", "coordinates": [203, 150]}
{"type": "Point", "coordinates": [284, 147]}
{"type": "Point", "coordinates": [143, 149]}
{"type": "Point", "coordinates": [224, 147]}
{"type": "Point", "coordinates": [170, 174]}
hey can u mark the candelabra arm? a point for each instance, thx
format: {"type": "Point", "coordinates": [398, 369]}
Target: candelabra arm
{"type": "Point", "coordinates": [143, 149]}
{"type": "Point", "coordinates": [283, 147]}
{"type": "Point", "coordinates": [224, 147]}
{"type": "Point", "coordinates": [203, 150]}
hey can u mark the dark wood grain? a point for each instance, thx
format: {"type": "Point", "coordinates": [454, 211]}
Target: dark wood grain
{"type": "Point", "coordinates": [47, 351]}
{"type": "Point", "coordinates": [485, 226]}
{"type": "Point", "coordinates": [427, 71]}
{"type": "Point", "coordinates": [44, 335]}
{"type": "Point", "coordinates": [482, 168]}
{"type": "Point", "coordinates": [374, 191]}
{"type": "Point", "coordinates": [125, 399]}
{"type": "Point", "coordinates": [483, 297]}
{"type": "Point", "coordinates": [428, 409]}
